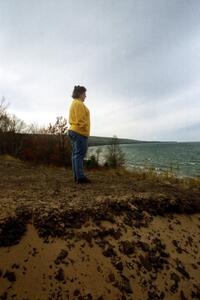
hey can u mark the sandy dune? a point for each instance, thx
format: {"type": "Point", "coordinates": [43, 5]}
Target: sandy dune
{"type": "Point", "coordinates": [121, 237]}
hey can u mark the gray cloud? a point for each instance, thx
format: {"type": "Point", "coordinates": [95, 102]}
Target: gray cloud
{"type": "Point", "coordinates": [138, 59]}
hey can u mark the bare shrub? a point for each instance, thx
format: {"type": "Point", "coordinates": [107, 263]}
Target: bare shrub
{"type": "Point", "coordinates": [114, 157]}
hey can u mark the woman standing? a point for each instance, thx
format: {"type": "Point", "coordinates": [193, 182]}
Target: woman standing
{"type": "Point", "coordinates": [78, 132]}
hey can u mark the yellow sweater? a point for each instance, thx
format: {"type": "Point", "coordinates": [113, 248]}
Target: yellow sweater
{"type": "Point", "coordinates": [79, 118]}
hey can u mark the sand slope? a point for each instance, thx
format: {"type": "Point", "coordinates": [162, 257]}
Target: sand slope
{"type": "Point", "coordinates": [121, 237]}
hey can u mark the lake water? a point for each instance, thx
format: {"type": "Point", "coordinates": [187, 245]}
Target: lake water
{"type": "Point", "coordinates": [183, 159]}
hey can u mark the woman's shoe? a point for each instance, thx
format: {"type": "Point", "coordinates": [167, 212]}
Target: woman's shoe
{"type": "Point", "coordinates": [83, 180]}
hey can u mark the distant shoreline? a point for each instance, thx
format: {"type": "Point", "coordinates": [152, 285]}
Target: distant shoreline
{"type": "Point", "coordinates": [103, 141]}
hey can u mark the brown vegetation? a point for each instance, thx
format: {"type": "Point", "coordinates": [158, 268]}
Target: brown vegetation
{"type": "Point", "coordinates": [126, 235]}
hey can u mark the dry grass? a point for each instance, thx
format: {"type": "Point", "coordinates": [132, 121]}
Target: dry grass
{"type": "Point", "coordinates": [7, 157]}
{"type": "Point", "coordinates": [147, 174]}
{"type": "Point", "coordinates": [152, 176]}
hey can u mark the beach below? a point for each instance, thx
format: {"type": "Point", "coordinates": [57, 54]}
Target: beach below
{"type": "Point", "coordinates": [126, 235]}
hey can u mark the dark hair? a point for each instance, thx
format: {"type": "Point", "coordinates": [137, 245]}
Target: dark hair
{"type": "Point", "coordinates": [78, 91]}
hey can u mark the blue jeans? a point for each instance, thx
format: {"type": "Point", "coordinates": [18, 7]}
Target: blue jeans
{"type": "Point", "coordinates": [79, 149]}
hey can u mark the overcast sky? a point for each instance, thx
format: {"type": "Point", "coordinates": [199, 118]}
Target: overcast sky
{"type": "Point", "coordinates": [138, 59]}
